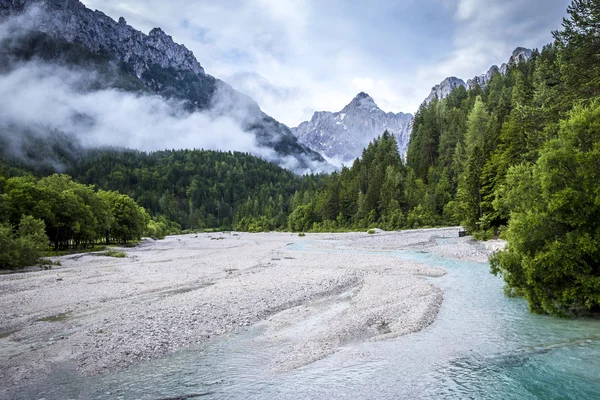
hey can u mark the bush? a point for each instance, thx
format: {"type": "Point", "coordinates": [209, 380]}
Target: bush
{"type": "Point", "coordinates": [487, 234]}
{"type": "Point", "coordinates": [301, 219]}
{"type": "Point", "coordinates": [371, 231]}
{"type": "Point", "coordinates": [420, 217]}
{"type": "Point", "coordinates": [553, 252]}
{"type": "Point", "coordinates": [24, 247]}
{"type": "Point", "coordinates": [113, 253]}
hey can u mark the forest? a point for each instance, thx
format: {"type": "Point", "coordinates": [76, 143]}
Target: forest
{"type": "Point", "coordinates": [517, 159]}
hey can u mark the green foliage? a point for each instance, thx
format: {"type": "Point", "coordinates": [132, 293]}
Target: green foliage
{"type": "Point", "coordinates": [113, 253]}
{"type": "Point", "coordinates": [129, 221]}
{"type": "Point", "coordinates": [196, 189]}
{"type": "Point", "coordinates": [420, 217]}
{"type": "Point", "coordinates": [302, 218]}
{"type": "Point", "coordinates": [371, 231]}
{"type": "Point", "coordinates": [158, 229]}
{"type": "Point", "coordinates": [553, 257]}
{"type": "Point", "coordinates": [580, 53]}
{"type": "Point", "coordinates": [70, 214]}
{"type": "Point", "coordinates": [23, 247]}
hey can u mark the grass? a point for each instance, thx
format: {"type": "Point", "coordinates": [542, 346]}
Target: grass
{"type": "Point", "coordinates": [302, 234]}
{"type": "Point", "coordinates": [113, 253]}
{"type": "Point", "coordinates": [52, 253]}
{"type": "Point", "coordinates": [371, 231]}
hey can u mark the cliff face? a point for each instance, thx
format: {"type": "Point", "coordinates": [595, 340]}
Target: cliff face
{"type": "Point", "coordinates": [343, 135]}
{"type": "Point", "coordinates": [72, 21]}
{"type": "Point", "coordinates": [158, 65]}
{"type": "Point", "coordinates": [441, 91]}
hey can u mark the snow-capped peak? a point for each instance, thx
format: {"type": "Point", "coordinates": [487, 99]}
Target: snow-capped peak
{"type": "Point", "coordinates": [362, 101]}
{"type": "Point", "coordinates": [343, 135]}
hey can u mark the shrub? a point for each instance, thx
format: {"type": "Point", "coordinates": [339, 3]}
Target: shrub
{"type": "Point", "coordinates": [24, 247]}
{"type": "Point", "coordinates": [113, 253]}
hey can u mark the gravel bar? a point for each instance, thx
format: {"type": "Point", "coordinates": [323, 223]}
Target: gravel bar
{"type": "Point", "coordinates": [102, 314]}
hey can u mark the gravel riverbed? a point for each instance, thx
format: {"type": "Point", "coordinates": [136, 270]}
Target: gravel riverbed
{"type": "Point", "coordinates": [99, 314]}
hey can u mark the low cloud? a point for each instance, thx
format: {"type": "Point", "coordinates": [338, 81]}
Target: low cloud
{"type": "Point", "coordinates": [42, 98]}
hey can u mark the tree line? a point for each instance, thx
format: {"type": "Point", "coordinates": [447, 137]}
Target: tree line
{"type": "Point", "coordinates": [520, 158]}
{"type": "Point", "coordinates": [59, 213]}
{"type": "Point", "coordinates": [198, 189]}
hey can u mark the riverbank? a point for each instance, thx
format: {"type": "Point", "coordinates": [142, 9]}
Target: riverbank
{"type": "Point", "coordinates": [99, 314]}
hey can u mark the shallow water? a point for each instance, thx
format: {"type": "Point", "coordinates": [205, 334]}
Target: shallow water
{"type": "Point", "coordinates": [482, 345]}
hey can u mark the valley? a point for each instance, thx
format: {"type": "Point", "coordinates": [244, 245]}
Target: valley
{"type": "Point", "coordinates": [165, 234]}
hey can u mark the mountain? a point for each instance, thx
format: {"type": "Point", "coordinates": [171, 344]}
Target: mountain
{"type": "Point", "coordinates": [66, 33]}
{"type": "Point", "coordinates": [442, 90]}
{"type": "Point", "coordinates": [482, 80]}
{"type": "Point", "coordinates": [343, 135]}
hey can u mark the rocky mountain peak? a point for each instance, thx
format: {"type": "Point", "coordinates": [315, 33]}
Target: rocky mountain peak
{"type": "Point", "coordinates": [361, 95]}
{"type": "Point", "coordinates": [520, 54]}
{"type": "Point", "coordinates": [72, 21]}
{"type": "Point", "coordinates": [342, 136]}
{"type": "Point", "coordinates": [442, 90]}
{"type": "Point", "coordinates": [362, 101]}
{"type": "Point", "coordinates": [157, 32]}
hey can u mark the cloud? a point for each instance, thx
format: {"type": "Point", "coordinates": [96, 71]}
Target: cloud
{"type": "Point", "coordinates": [43, 98]}
{"type": "Point", "coordinates": [296, 57]}
{"type": "Point", "coordinates": [488, 31]}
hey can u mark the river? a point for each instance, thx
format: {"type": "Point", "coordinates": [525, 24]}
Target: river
{"type": "Point", "coordinates": [482, 345]}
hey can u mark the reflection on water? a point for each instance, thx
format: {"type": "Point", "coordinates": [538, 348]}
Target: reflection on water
{"type": "Point", "coordinates": [482, 345]}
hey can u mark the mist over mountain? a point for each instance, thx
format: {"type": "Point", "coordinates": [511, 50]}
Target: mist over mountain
{"type": "Point", "coordinates": [65, 68]}
{"type": "Point", "coordinates": [341, 136]}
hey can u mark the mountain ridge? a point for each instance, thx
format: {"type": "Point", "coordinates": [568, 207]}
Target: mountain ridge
{"type": "Point", "coordinates": [343, 135]}
{"type": "Point", "coordinates": [443, 89]}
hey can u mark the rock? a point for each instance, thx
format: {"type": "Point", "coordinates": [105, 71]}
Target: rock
{"type": "Point", "coordinates": [71, 20]}
{"type": "Point", "coordinates": [441, 91]}
{"type": "Point", "coordinates": [483, 80]}
{"type": "Point", "coordinates": [343, 135]}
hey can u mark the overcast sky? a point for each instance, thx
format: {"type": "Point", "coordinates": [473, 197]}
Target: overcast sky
{"type": "Point", "coordinates": [295, 57]}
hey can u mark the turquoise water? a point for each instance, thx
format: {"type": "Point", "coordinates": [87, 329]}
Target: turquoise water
{"type": "Point", "coordinates": [483, 345]}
